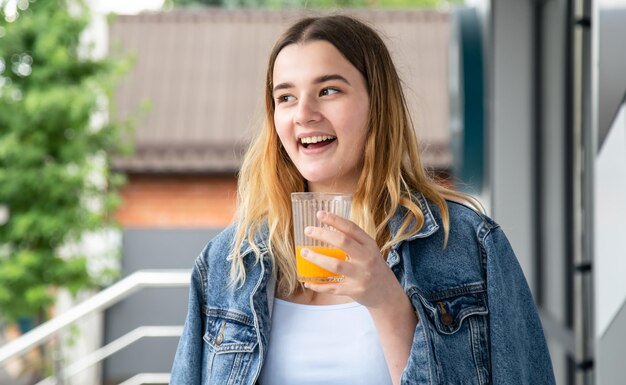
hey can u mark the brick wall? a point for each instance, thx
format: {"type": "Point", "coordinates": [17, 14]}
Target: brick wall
{"type": "Point", "coordinates": [160, 201]}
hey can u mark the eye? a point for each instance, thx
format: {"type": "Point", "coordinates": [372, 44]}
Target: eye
{"type": "Point", "coordinates": [284, 99]}
{"type": "Point", "coordinates": [328, 91]}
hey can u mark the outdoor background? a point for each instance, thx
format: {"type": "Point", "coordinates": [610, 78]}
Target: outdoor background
{"type": "Point", "coordinates": [123, 125]}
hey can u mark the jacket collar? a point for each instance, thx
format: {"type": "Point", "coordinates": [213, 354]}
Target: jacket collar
{"type": "Point", "coordinates": [429, 227]}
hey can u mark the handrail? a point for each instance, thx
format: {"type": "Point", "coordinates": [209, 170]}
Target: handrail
{"type": "Point", "coordinates": [114, 347]}
{"type": "Point", "coordinates": [104, 299]}
{"type": "Point", "coordinates": [148, 378]}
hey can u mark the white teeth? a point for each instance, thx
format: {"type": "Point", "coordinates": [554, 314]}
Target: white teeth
{"type": "Point", "coordinates": [315, 139]}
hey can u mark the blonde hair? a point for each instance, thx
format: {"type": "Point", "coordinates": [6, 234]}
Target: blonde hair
{"type": "Point", "coordinates": [268, 177]}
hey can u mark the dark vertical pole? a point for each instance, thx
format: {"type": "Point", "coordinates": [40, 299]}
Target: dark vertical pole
{"type": "Point", "coordinates": [585, 157]}
{"type": "Point", "coordinates": [568, 182]}
{"type": "Point", "coordinates": [589, 148]}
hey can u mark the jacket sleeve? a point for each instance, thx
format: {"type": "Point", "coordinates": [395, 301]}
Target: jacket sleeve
{"type": "Point", "coordinates": [519, 353]}
{"type": "Point", "coordinates": [187, 367]}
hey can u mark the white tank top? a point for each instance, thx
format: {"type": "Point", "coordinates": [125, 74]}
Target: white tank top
{"type": "Point", "coordinates": [323, 344]}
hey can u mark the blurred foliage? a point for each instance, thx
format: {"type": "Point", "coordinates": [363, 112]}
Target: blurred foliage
{"type": "Point", "coordinates": [318, 3]}
{"type": "Point", "coordinates": [55, 141]}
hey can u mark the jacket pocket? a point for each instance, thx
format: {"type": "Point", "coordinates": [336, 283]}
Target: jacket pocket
{"type": "Point", "coordinates": [229, 332]}
{"type": "Point", "coordinates": [229, 349]}
{"type": "Point", "coordinates": [457, 323]}
{"type": "Point", "coordinates": [448, 313]}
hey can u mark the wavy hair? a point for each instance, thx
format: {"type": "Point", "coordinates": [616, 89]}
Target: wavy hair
{"type": "Point", "coordinates": [268, 177]}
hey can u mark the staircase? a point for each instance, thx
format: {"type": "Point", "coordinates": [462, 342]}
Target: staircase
{"type": "Point", "coordinates": [47, 332]}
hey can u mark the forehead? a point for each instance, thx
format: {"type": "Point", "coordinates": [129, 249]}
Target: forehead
{"type": "Point", "coordinates": [311, 58]}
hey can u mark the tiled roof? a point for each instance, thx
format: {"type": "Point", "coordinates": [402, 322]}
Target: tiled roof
{"type": "Point", "coordinates": [203, 73]}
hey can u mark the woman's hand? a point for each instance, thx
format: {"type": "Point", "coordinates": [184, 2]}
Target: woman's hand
{"type": "Point", "coordinates": [367, 278]}
{"type": "Point", "coordinates": [369, 281]}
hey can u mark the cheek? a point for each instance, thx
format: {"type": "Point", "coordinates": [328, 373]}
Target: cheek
{"type": "Point", "coordinates": [283, 134]}
{"type": "Point", "coordinates": [358, 120]}
{"type": "Point", "coordinates": [360, 130]}
{"type": "Point", "coordinates": [361, 142]}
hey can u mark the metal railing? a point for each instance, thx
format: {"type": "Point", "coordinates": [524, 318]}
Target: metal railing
{"type": "Point", "coordinates": [114, 347]}
{"type": "Point", "coordinates": [148, 378]}
{"type": "Point", "coordinates": [99, 302]}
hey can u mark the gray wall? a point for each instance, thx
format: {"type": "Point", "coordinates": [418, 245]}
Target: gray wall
{"type": "Point", "coordinates": [510, 132]}
{"type": "Point", "coordinates": [527, 152]}
{"type": "Point", "coordinates": [151, 249]}
{"type": "Point", "coordinates": [612, 64]}
{"type": "Point", "coordinates": [544, 81]}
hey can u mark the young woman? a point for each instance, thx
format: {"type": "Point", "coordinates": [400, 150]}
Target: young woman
{"type": "Point", "coordinates": [432, 292]}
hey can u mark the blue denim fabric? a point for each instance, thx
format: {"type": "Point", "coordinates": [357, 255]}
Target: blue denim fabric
{"type": "Point", "coordinates": [478, 322]}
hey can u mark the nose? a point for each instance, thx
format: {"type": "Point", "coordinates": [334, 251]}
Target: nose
{"type": "Point", "coordinates": [307, 111]}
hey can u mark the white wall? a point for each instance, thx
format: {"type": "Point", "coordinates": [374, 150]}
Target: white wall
{"type": "Point", "coordinates": [610, 225]}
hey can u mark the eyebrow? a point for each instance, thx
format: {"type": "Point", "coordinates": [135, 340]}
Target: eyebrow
{"type": "Point", "coordinates": [317, 80]}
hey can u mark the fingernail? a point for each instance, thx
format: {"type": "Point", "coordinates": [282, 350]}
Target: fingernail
{"type": "Point", "coordinates": [308, 230]}
{"type": "Point", "coordinates": [321, 214]}
{"type": "Point", "coordinates": [304, 252]}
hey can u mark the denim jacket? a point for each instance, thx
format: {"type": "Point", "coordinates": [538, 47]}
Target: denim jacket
{"type": "Point", "coordinates": [478, 323]}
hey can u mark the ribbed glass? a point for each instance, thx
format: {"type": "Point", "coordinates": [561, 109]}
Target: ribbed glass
{"type": "Point", "coordinates": [305, 207]}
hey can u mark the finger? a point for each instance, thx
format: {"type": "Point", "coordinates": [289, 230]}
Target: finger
{"type": "Point", "coordinates": [330, 288]}
{"type": "Point", "coordinates": [334, 265]}
{"type": "Point", "coordinates": [344, 225]}
{"type": "Point", "coordinates": [332, 237]}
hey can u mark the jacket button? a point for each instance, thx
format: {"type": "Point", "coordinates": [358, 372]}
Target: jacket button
{"type": "Point", "coordinates": [446, 319]}
{"type": "Point", "coordinates": [220, 337]}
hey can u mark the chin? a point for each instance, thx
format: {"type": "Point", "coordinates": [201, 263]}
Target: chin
{"type": "Point", "coordinates": [314, 176]}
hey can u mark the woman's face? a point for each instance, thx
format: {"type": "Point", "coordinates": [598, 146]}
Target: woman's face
{"type": "Point", "coordinates": [321, 114]}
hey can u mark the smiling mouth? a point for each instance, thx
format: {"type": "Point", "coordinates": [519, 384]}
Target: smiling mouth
{"type": "Point", "coordinates": [317, 141]}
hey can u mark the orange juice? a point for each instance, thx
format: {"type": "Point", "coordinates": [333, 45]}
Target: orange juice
{"type": "Point", "coordinates": [310, 272]}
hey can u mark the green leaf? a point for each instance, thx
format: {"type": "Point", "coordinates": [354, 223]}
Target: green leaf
{"type": "Point", "coordinates": [48, 147]}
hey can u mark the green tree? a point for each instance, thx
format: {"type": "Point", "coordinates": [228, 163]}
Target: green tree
{"type": "Point", "coordinates": [55, 180]}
